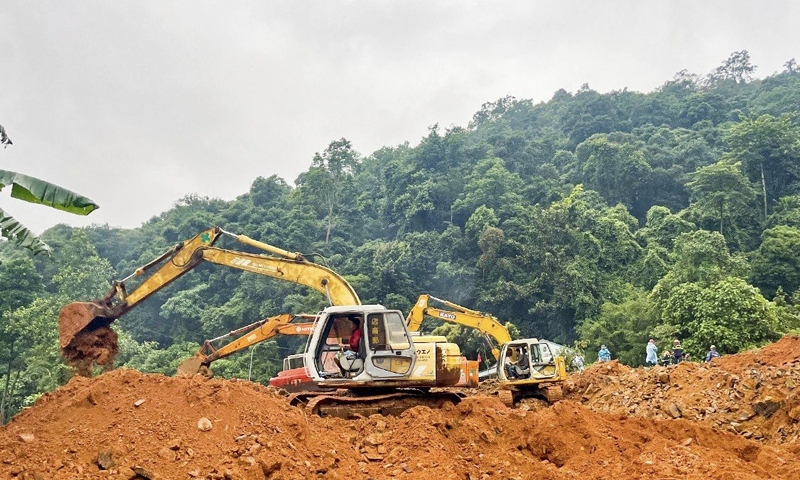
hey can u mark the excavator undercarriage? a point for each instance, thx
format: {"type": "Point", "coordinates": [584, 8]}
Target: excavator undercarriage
{"type": "Point", "coordinates": [350, 404]}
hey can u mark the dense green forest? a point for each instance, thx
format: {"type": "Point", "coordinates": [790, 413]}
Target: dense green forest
{"type": "Point", "coordinates": [590, 218]}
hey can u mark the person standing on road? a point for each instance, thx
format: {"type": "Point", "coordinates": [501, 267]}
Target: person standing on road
{"type": "Point", "coordinates": [604, 355]}
{"type": "Point", "coordinates": [652, 353]}
{"type": "Point", "coordinates": [712, 353]}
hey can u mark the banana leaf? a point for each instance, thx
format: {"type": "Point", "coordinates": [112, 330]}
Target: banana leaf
{"type": "Point", "coordinates": [11, 229]}
{"type": "Point", "coordinates": [33, 190]}
{"type": "Point", "coordinates": [4, 140]}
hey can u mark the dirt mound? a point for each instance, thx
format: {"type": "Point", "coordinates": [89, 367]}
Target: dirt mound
{"type": "Point", "coordinates": [738, 416]}
{"type": "Point", "coordinates": [753, 394]}
{"type": "Point", "coordinates": [124, 424]}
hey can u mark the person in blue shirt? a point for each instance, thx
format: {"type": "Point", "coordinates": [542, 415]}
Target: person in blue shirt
{"type": "Point", "coordinates": [652, 353]}
{"type": "Point", "coordinates": [712, 353]}
{"type": "Point", "coordinates": [604, 355]}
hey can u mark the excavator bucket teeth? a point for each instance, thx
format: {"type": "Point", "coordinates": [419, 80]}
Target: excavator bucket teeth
{"type": "Point", "coordinates": [77, 317]}
{"type": "Point", "coordinates": [190, 366]}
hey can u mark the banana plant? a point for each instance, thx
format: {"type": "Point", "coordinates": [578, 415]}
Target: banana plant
{"type": "Point", "coordinates": [34, 190]}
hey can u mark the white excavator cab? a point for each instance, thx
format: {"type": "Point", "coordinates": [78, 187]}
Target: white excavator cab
{"type": "Point", "coordinates": [386, 374]}
{"type": "Point", "coordinates": [384, 352]}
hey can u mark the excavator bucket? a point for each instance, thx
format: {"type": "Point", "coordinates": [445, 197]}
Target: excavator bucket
{"type": "Point", "coordinates": [191, 365]}
{"type": "Point", "coordinates": [77, 317]}
{"type": "Point", "coordinates": [85, 336]}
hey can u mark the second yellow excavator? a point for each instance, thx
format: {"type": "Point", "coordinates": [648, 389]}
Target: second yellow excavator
{"type": "Point", "coordinates": [247, 336]}
{"type": "Point", "coordinates": [525, 368]}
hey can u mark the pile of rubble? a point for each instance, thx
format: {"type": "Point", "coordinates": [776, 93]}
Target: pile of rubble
{"type": "Point", "coordinates": [753, 394]}
{"type": "Point", "coordinates": [616, 422]}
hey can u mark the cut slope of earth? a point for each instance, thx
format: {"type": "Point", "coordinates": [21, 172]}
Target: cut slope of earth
{"type": "Point", "coordinates": [125, 424]}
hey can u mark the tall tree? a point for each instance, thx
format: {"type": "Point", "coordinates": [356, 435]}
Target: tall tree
{"type": "Point", "coordinates": [721, 194]}
{"type": "Point", "coordinates": [328, 176]}
{"type": "Point", "coordinates": [769, 149]}
{"type": "Point", "coordinates": [736, 68]}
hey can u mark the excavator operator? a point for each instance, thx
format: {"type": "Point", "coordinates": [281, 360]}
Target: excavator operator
{"type": "Point", "coordinates": [518, 367]}
{"type": "Point", "coordinates": [347, 360]}
{"type": "Point", "coordinates": [355, 338]}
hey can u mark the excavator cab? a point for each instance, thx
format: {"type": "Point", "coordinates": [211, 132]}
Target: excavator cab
{"type": "Point", "coordinates": [528, 359]}
{"type": "Point", "coordinates": [528, 369]}
{"type": "Point", "coordinates": [385, 350]}
{"type": "Point", "coordinates": [386, 374]}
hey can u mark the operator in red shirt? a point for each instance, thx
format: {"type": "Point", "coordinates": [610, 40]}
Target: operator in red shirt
{"type": "Point", "coordinates": [355, 337]}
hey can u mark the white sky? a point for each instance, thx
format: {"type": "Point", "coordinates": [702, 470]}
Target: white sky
{"type": "Point", "coordinates": [137, 104]}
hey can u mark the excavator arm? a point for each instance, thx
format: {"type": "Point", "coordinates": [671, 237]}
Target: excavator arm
{"type": "Point", "coordinates": [483, 322]}
{"type": "Point", "coordinates": [248, 336]}
{"type": "Point", "coordinates": [78, 318]}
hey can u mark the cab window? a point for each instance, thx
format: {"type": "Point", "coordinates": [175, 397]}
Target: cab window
{"type": "Point", "coordinates": [387, 331]}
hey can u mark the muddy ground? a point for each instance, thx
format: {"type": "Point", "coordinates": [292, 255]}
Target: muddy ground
{"type": "Point", "coordinates": [737, 418]}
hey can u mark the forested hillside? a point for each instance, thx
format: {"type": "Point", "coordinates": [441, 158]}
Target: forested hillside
{"type": "Point", "coordinates": [591, 218]}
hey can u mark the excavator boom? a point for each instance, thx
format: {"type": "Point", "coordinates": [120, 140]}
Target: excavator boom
{"type": "Point", "coordinates": [83, 326]}
{"type": "Point", "coordinates": [247, 336]}
{"type": "Point", "coordinates": [483, 322]}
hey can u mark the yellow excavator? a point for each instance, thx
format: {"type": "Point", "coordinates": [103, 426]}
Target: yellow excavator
{"type": "Point", "coordinates": [84, 334]}
{"type": "Point", "coordinates": [526, 368]}
{"type": "Point", "coordinates": [451, 312]}
{"type": "Point", "coordinates": [246, 337]}
{"type": "Point", "coordinates": [387, 372]}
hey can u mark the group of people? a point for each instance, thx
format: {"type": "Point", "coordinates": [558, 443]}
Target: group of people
{"type": "Point", "coordinates": [673, 357]}
{"type": "Point", "coordinates": [668, 357]}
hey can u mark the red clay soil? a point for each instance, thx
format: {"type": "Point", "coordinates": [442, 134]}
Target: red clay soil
{"type": "Point", "coordinates": [124, 424]}
{"type": "Point", "coordinates": [91, 347]}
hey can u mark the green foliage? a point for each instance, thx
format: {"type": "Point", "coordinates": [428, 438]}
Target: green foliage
{"type": "Point", "coordinates": [722, 200]}
{"type": "Point", "coordinates": [623, 327]}
{"type": "Point", "coordinates": [617, 171]}
{"type": "Point", "coordinates": [776, 263]}
{"type": "Point", "coordinates": [728, 313]}
{"type": "Point", "coordinates": [149, 358]}
{"type": "Point", "coordinates": [769, 149]}
{"type": "Point", "coordinates": [34, 190]}
{"type": "Point", "coordinates": [699, 257]}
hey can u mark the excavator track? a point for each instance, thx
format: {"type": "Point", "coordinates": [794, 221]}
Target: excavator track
{"type": "Point", "coordinates": [553, 393]}
{"type": "Point", "coordinates": [349, 406]}
{"type": "Point", "coordinates": [513, 396]}
{"type": "Point", "coordinates": [507, 397]}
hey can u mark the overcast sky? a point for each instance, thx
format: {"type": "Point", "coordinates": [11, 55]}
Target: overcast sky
{"type": "Point", "coordinates": [138, 104]}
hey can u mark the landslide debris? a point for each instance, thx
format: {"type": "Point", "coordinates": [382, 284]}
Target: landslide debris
{"type": "Point", "coordinates": [127, 425]}
{"type": "Point", "coordinates": [753, 394]}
